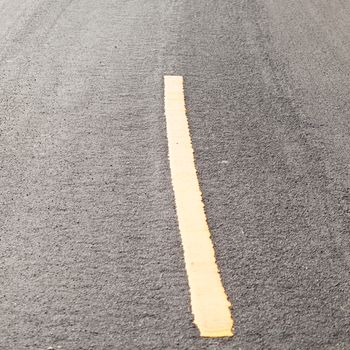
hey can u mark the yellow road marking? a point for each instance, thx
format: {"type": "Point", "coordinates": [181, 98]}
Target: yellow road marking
{"type": "Point", "coordinates": [210, 305]}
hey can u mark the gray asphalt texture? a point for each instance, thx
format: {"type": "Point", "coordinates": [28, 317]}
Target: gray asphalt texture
{"type": "Point", "coordinates": [90, 254]}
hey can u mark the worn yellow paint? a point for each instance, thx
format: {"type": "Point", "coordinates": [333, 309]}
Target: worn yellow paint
{"type": "Point", "coordinates": [210, 306]}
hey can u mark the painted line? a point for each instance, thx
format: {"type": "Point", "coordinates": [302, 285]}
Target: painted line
{"type": "Point", "coordinates": [210, 306]}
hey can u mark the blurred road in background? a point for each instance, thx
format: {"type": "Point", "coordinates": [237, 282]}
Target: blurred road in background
{"type": "Point", "coordinates": [90, 251]}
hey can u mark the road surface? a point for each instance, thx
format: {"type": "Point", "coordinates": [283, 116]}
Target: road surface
{"type": "Point", "coordinates": [90, 250]}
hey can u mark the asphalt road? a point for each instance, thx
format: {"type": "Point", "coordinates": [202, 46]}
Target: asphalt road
{"type": "Point", "coordinates": [90, 253]}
